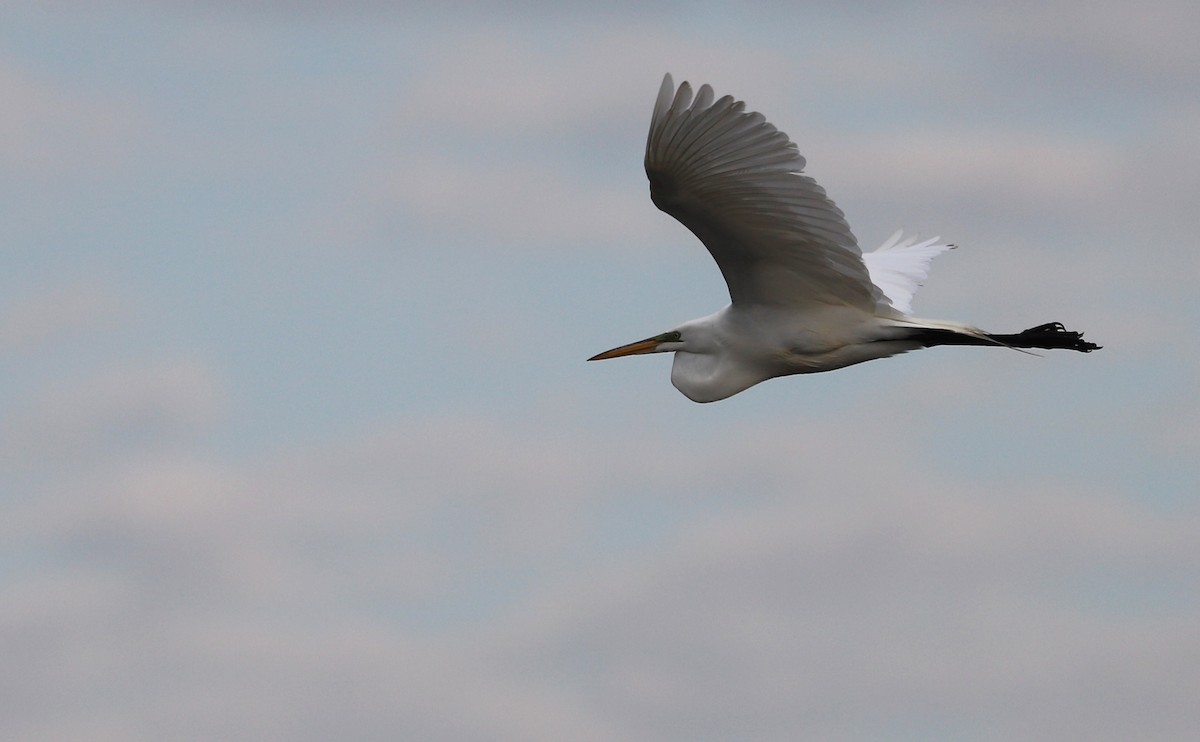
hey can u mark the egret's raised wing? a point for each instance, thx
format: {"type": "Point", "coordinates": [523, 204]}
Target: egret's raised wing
{"type": "Point", "coordinates": [734, 180]}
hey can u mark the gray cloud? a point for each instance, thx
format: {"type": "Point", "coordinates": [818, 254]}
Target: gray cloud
{"type": "Point", "coordinates": [835, 599]}
{"type": "Point", "coordinates": [49, 314]}
{"type": "Point", "coordinates": [135, 404]}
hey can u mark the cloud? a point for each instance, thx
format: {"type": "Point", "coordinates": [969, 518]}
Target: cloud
{"type": "Point", "coordinates": [48, 130]}
{"type": "Point", "coordinates": [605, 77]}
{"type": "Point", "coordinates": [912, 611]}
{"type": "Point", "coordinates": [1152, 44]}
{"type": "Point", "coordinates": [130, 405]}
{"type": "Point", "coordinates": [51, 314]}
{"type": "Point", "coordinates": [428, 580]}
{"type": "Point", "coordinates": [496, 204]}
{"type": "Point", "coordinates": [996, 165]}
{"type": "Point", "coordinates": [478, 155]}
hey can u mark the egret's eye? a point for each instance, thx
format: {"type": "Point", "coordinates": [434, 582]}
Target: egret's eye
{"type": "Point", "coordinates": [669, 337]}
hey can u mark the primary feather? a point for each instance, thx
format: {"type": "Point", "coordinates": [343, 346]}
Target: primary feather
{"type": "Point", "coordinates": [735, 181]}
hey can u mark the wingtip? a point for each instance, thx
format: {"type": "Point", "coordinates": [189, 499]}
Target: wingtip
{"type": "Point", "coordinates": [666, 91]}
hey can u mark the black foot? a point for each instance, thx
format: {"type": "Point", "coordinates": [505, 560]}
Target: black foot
{"type": "Point", "coordinates": [1051, 336]}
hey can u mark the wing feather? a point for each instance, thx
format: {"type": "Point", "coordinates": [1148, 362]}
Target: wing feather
{"type": "Point", "coordinates": [735, 181]}
{"type": "Point", "coordinates": [898, 267]}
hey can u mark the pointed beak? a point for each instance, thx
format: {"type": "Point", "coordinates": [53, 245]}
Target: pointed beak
{"type": "Point", "coordinates": [649, 345]}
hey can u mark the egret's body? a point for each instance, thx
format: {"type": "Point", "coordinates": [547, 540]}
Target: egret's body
{"type": "Point", "coordinates": [737, 347]}
{"type": "Point", "coordinates": [804, 297]}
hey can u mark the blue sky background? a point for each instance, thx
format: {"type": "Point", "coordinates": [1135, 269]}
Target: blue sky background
{"type": "Point", "coordinates": [297, 440]}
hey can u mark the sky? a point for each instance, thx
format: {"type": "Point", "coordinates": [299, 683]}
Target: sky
{"type": "Point", "coordinates": [298, 440]}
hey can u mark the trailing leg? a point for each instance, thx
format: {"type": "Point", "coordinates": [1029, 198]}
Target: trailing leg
{"type": "Point", "coordinates": [1050, 336]}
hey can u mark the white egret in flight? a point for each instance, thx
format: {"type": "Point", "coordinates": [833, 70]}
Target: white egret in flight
{"type": "Point", "coordinates": [804, 297]}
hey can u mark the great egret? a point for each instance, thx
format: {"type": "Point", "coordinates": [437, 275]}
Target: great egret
{"type": "Point", "coordinates": [804, 297]}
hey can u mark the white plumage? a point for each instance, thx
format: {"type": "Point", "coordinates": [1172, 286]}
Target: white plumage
{"type": "Point", "coordinates": [804, 297]}
{"type": "Point", "coordinates": [898, 267]}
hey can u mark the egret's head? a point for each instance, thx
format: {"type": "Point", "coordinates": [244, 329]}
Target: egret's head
{"type": "Point", "coordinates": [664, 343]}
{"type": "Point", "coordinates": [703, 368]}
